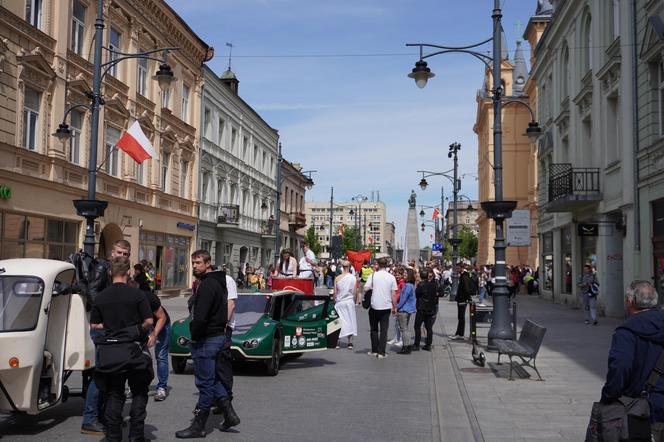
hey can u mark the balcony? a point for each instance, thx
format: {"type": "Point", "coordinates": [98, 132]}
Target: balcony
{"type": "Point", "coordinates": [268, 228]}
{"type": "Point", "coordinates": [572, 188]}
{"type": "Point", "coordinates": [228, 214]}
{"type": "Point", "coordinates": [297, 220]}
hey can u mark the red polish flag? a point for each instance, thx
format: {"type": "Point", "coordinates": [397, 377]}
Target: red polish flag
{"type": "Point", "coordinates": [136, 144]}
{"type": "Point", "coordinates": [436, 214]}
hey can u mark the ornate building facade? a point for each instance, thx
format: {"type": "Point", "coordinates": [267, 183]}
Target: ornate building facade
{"type": "Point", "coordinates": [238, 169]}
{"type": "Point", "coordinates": [46, 52]}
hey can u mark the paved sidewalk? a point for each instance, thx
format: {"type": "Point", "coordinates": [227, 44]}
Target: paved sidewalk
{"type": "Point", "coordinates": [572, 361]}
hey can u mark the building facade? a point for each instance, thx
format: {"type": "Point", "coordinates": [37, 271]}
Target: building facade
{"type": "Point", "coordinates": [468, 213]}
{"type": "Point", "coordinates": [46, 67]}
{"type": "Point", "coordinates": [293, 221]}
{"type": "Point", "coordinates": [519, 167]}
{"type": "Point", "coordinates": [584, 74]}
{"type": "Point", "coordinates": [390, 239]}
{"type": "Point", "coordinates": [237, 176]}
{"type": "Point", "coordinates": [369, 218]}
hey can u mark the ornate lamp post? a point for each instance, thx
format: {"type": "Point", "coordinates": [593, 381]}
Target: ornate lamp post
{"type": "Point", "coordinates": [498, 209]}
{"type": "Point", "coordinates": [92, 208]}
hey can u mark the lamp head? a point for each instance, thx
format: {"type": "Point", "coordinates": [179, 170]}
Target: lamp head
{"type": "Point", "coordinates": [422, 226]}
{"type": "Point", "coordinates": [352, 212]}
{"type": "Point", "coordinates": [421, 74]}
{"type": "Point", "coordinates": [263, 205]}
{"type": "Point", "coordinates": [423, 184]}
{"type": "Point", "coordinates": [533, 132]}
{"type": "Point", "coordinates": [164, 77]}
{"type": "Point", "coordinates": [422, 213]}
{"type": "Point", "coordinates": [63, 133]}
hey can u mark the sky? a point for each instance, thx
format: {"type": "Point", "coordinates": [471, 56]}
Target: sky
{"type": "Point", "coordinates": [331, 77]}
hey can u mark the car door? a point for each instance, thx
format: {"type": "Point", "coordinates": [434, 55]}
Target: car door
{"type": "Point", "coordinates": [305, 323]}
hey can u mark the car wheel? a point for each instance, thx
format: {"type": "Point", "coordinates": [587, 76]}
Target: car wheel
{"type": "Point", "coordinates": [179, 363]}
{"type": "Point", "coordinates": [274, 361]}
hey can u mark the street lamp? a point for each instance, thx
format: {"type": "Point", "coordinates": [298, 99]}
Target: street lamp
{"type": "Point", "coordinates": [91, 208]}
{"type": "Point", "coordinates": [279, 179]}
{"type": "Point", "coordinates": [359, 199]}
{"type": "Point", "coordinates": [498, 209]}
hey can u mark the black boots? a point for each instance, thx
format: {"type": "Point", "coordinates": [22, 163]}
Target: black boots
{"type": "Point", "coordinates": [197, 427]}
{"type": "Point", "coordinates": [231, 418]}
{"type": "Point", "coordinates": [405, 350]}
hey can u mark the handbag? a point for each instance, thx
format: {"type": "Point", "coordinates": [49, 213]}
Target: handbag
{"type": "Point", "coordinates": [628, 418]}
{"type": "Point", "coordinates": [366, 299]}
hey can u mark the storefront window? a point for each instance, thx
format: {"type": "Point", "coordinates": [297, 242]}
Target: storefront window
{"type": "Point", "coordinates": [588, 250]}
{"type": "Point", "coordinates": [566, 256]}
{"type": "Point", "coordinates": [547, 261]}
{"type": "Point", "coordinates": [170, 256]}
{"type": "Point", "coordinates": [36, 237]}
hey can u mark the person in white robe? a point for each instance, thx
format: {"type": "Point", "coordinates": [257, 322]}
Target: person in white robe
{"type": "Point", "coordinates": [345, 286]}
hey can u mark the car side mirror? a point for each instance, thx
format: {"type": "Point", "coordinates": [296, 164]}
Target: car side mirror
{"type": "Point", "coordinates": [62, 288]}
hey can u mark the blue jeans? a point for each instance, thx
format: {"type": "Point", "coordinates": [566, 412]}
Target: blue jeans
{"type": "Point", "coordinates": [161, 355]}
{"type": "Point", "coordinates": [93, 399]}
{"type": "Point", "coordinates": [482, 293]}
{"type": "Point", "coordinates": [210, 387]}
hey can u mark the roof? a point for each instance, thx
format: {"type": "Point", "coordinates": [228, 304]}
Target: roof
{"type": "Point", "coordinates": [42, 268]}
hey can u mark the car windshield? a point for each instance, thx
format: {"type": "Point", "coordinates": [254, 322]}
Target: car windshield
{"type": "Point", "coordinates": [248, 309]}
{"type": "Point", "coordinates": [21, 301]}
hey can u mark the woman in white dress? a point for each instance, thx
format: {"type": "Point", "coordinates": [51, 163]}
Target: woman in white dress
{"type": "Point", "coordinates": [345, 286]}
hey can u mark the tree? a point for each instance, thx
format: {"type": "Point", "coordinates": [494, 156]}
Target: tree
{"type": "Point", "coordinates": [468, 246]}
{"type": "Point", "coordinates": [312, 239]}
{"type": "Point", "coordinates": [351, 239]}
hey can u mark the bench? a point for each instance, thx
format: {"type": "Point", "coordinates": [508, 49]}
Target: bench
{"type": "Point", "coordinates": [526, 347]}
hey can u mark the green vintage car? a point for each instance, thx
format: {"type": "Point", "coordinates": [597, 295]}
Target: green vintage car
{"type": "Point", "coordinates": [268, 326]}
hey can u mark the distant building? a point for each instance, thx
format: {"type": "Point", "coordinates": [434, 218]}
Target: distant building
{"type": "Point", "coordinates": [390, 238]}
{"type": "Point", "coordinates": [293, 220]}
{"type": "Point", "coordinates": [467, 215]}
{"type": "Point", "coordinates": [369, 218]}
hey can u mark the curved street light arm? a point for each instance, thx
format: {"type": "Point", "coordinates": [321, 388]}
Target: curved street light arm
{"type": "Point", "coordinates": [427, 174]}
{"type": "Point", "coordinates": [76, 106]}
{"type": "Point", "coordinates": [507, 101]}
{"type": "Point", "coordinates": [481, 57]}
{"type": "Point", "coordinates": [107, 66]}
{"type": "Point", "coordinates": [429, 45]}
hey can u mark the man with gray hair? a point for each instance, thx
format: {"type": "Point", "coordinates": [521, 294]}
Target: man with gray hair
{"type": "Point", "coordinates": [636, 346]}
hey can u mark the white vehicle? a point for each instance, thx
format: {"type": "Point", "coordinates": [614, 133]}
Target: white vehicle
{"type": "Point", "coordinates": [44, 334]}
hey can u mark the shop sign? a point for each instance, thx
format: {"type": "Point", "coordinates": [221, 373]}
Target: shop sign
{"type": "Point", "coordinates": [186, 226]}
{"type": "Point", "coordinates": [588, 229]}
{"type": "Point", "coordinates": [5, 192]}
{"type": "Point", "coordinates": [518, 228]}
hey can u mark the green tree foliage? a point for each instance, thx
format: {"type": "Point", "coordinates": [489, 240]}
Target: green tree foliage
{"type": "Point", "coordinates": [468, 246]}
{"type": "Point", "coordinates": [312, 239]}
{"type": "Point", "coordinates": [351, 239]}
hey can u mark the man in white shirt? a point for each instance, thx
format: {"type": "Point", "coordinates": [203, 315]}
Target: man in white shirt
{"type": "Point", "coordinates": [384, 292]}
{"type": "Point", "coordinates": [307, 262]}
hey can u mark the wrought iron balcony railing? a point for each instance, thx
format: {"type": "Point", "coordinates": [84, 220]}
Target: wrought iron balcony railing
{"type": "Point", "coordinates": [579, 183]}
{"type": "Point", "coordinates": [228, 214]}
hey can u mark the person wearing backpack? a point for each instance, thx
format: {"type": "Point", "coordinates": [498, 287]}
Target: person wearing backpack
{"type": "Point", "coordinates": [123, 316]}
{"type": "Point", "coordinates": [92, 282]}
{"type": "Point", "coordinates": [589, 291]}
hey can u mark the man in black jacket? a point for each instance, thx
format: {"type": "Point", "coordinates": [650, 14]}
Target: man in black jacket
{"type": "Point", "coordinates": [209, 317]}
{"type": "Point", "coordinates": [465, 291]}
{"type": "Point", "coordinates": [427, 308]}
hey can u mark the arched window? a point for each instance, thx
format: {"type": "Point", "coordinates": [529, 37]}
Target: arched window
{"type": "Point", "coordinates": [587, 45]}
{"type": "Point", "coordinates": [565, 73]}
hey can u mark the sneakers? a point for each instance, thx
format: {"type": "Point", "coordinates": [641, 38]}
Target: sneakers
{"type": "Point", "coordinates": [370, 353]}
{"type": "Point", "coordinates": [398, 343]}
{"type": "Point", "coordinates": [379, 356]}
{"type": "Point", "coordinates": [161, 394]}
{"type": "Point", "coordinates": [350, 346]}
{"type": "Point", "coordinates": [391, 342]}
{"type": "Point", "coordinates": [595, 323]}
{"type": "Point", "coordinates": [94, 428]}
{"type": "Point", "coordinates": [426, 348]}
{"type": "Point", "coordinates": [455, 338]}
{"type": "Point", "coordinates": [586, 322]}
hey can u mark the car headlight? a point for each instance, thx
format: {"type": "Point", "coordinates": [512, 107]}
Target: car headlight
{"type": "Point", "coordinates": [253, 343]}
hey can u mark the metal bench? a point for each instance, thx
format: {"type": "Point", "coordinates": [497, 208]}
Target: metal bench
{"type": "Point", "coordinates": [526, 347]}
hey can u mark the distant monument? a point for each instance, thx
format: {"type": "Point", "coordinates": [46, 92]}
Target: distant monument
{"type": "Point", "coordinates": [412, 247]}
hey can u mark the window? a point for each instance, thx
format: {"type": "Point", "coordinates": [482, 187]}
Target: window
{"type": "Point", "coordinates": [75, 141]}
{"type": "Point", "coordinates": [78, 28]}
{"type": "Point", "coordinates": [140, 173]}
{"type": "Point", "coordinates": [30, 118]}
{"type": "Point", "coordinates": [112, 137]}
{"type": "Point", "coordinates": [36, 237]}
{"type": "Point", "coordinates": [142, 76]}
{"type": "Point", "coordinates": [615, 17]}
{"type": "Point", "coordinates": [165, 98]}
{"type": "Point", "coordinates": [220, 189]}
{"type": "Point", "coordinates": [564, 74]}
{"type": "Point", "coordinates": [245, 148]}
{"type": "Point", "coordinates": [185, 103]}
{"type": "Point", "coordinates": [184, 172]}
{"type": "Point", "coordinates": [586, 54]}
{"type": "Point", "coordinates": [233, 139]}
{"type": "Point", "coordinates": [254, 159]}
{"type": "Point", "coordinates": [220, 131]}
{"type": "Point", "coordinates": [114, 46]}
{"type": "Point", "coordinates": [205, 185]}
{"type": "Point", "coordinates": [207, 123]}
{"type": "Point", "coordinates": [613, 129]}
{"type": "Point", "coordinates": [33, 12]}
{"type": "Point", "coordinates": [165, 160]}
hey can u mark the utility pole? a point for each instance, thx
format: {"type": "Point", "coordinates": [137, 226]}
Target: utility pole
{"type": "Point", "coordinates": [454, 149]}
{"type": "Point", "coordinates": [329, 243]}
{"type": "Point", "coordinates": [277, 217]}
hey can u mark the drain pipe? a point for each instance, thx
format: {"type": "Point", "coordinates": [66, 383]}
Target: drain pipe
{"type": "Point", "coordinates": [635, 127]}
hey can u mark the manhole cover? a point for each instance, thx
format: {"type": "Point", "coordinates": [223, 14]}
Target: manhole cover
{"type": "Point", "coordinates": [475, 370]}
